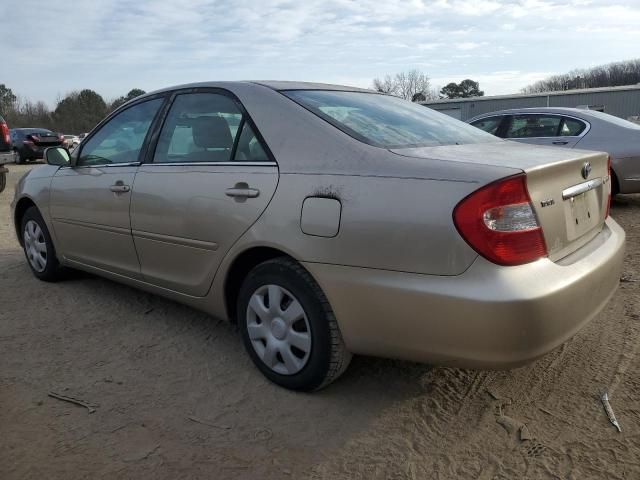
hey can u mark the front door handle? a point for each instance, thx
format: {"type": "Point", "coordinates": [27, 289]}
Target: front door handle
{"type": "Point", "coordinates": [241, 190]}
{"type": "Point", "coordinates": [119, 187]}
{"type": "Point", "coordinates": [560, 142]}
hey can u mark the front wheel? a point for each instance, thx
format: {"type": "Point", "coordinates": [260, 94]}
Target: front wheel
{"type": "Point", "coordinates": [38, 247]}
{"type": "Point", "coordinates": [288, 327]}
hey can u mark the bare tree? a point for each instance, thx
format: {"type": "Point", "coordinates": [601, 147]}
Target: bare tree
{"type": "Point", "coordinates": [413, 85]}
{"type": "Point", "coordinates": [611, 75]}
{"type": "Point", "coordinates": [386, 85]}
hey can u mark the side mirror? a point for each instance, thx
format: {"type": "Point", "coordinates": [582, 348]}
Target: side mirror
{"type": "Point", "coordinates": [57, 156]}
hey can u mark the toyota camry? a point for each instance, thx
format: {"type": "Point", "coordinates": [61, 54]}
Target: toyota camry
{"type": "Point", "coordinates": [327, 221]}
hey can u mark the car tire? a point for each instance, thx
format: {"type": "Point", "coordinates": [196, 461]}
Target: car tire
{"type": "Point", "coordinates": [615, 186]}
{"type": "Point", "coordinates": [298, 344]}
{"type": "Point", "coordinates": [17, 157]}
{"type": "Point", "coordinates": [38, 247]}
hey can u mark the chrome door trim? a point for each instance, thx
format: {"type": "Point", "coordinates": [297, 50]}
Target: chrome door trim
{"type": "Point", "coordinates": [581, 188]}
{"type": "Point", "coordinates": [187, 242]}
{"type": "Point", "coordinates": [213, 164]}
{"type": "Point", "coordinates": [130, 164]}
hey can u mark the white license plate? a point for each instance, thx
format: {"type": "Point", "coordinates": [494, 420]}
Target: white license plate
{"type": "Point", "coordinates": [583, 214]}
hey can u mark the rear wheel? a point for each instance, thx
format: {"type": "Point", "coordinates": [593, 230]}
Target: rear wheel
{"type": "Point", "coordinates": [38, 247]}
{"type": "Point", "coordinates": [17, 158]}
{"type": "Point", "coordinates": [288, 327]}
{"type": "Point", "coordinates": [615, 186]}
{"type": "Point", "coordinates": [3, 181]}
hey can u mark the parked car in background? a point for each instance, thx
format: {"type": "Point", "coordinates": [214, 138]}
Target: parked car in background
{"type": "Point", "coordinates": [5, 136]}
{"type": "Point", "coordinates": [326, 220]}
{"type": "Point", "coordinates": [573, 128]}
{"type": "Point", "coordinates": [5, 152]}
{"type": "Point", "coordinates": [71, 141]}
{"type": "Point", "coordinates": [29, 143]}
{"type": "Point", "coordinates": [82, 136]}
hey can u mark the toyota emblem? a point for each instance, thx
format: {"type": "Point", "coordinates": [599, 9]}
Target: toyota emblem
{"type": "Point", "coordinates": [586, 170]}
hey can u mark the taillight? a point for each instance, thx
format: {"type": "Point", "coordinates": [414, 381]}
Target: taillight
{"type": "Point", "coordinates": [610, 187]}
{"type": "Point", "coordinates": [4, 129]}
{"type": "Point", "coordinates": [499, 223]}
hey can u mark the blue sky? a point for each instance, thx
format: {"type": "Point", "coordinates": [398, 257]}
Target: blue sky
{"type": "Point", "coordinates": [113, 46]}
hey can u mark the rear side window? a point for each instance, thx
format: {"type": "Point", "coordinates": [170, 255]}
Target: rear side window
{"type": "Point", "coordinates": [489, 125]}
{"type": "Point", "coordinates": [206, 127]}
{"type": "Point", "coordinates": [386, 121]}
{"type": "Point", "coordinates": [571, 127]}
{"type": "Point", "coordinates": [533, 126]}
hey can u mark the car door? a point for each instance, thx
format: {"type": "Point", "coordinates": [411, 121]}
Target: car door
{"type": "Point", "coordinates": [89, 202]}
{"type": "Point", "coordinates": [207, 181]}
{"type": "Point", "coordinates": [542, 129]}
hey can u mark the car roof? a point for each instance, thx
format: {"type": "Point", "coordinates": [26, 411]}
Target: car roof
{"type": "Point", "coordinates": [277, 85]}
{"type": "Point", "coordinates": [577, 112]}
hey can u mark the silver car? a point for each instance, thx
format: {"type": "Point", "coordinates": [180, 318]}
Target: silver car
{"type": "Point", "coordinates": [574, 127]}
{"type": "Point", "coordinates": [328, 221]}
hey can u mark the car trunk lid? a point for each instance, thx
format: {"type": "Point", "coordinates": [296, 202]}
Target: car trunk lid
{"type": "Point", "coordinates": [45, 139]}
{"type": "Point", "coordinates": [570, 207]}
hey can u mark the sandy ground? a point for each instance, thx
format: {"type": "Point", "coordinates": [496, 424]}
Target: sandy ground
{"type": "Point", "coordinates": [177, 397]}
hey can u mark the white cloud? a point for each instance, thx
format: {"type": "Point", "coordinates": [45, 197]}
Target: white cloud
{"type": "Point", "coordinates": [114, 45]}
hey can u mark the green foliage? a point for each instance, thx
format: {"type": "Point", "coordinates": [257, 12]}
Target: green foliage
{"type": "Point", "coordinates": [465, 89]}
{"type": "Point", "coordinates": [79, 111]}
{"type": "Point", "coordinates": [76, 113]}
{"type": "Point", "coordinates": [136, 92]}
{"type": "Point", "coordinates": [7, 99]}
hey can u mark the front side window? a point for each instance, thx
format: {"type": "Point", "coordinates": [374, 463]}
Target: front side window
{"type": "Point", "coordinates": [120, 139]}
{"type": "Point", "coordinates": [533, 126]}
{"type": "Point", "coordinates": [202, 127]}
{"type": "Point", "coordinates": [489, 124]}
{"type": "Point", "coordinates": [571, 127]}
{"type": "Point", "coordinates": [386, 121]}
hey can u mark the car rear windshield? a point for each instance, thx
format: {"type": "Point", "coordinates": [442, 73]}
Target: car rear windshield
{"type": "Point", "coordinates": [39, 131]}
{"type": "Point", "coordinates": [386, 121]}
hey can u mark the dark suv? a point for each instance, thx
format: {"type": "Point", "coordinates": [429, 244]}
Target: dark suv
{"type": "Point", "coordinates": [30, 143]}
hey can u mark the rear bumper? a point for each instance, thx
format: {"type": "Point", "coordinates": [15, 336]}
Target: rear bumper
{"type": "Point", "coordinates": [488, 317]}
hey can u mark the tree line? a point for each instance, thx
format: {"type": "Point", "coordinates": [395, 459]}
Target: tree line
{"type": "Point", "coordinates": [77, 112]}
{"type": "Point", "coordinates": [610, 75]}
{"type": "Point", "coordinates": [415, 86]}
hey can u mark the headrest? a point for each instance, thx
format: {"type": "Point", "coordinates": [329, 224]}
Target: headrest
{"type": "Point", "coordinates": [211, 132]}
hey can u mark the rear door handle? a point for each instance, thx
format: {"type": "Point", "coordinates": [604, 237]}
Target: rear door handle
{"type": "Point", "coordinates": [119, 188]}
{"type": "Point", "coordinates": [242, 191]}
{"type": "Point", "coordinates": [560, 142]}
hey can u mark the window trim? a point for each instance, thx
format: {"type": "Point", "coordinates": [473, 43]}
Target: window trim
{"type": "Point", "coordinates": [117, 111]}
{"type": "Point", "coordinates": [245, 117]}
{"type": "Point", "coordinates": [507, 118]}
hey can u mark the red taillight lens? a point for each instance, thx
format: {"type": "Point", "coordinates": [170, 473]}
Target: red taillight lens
{"type": "Point", "coordinates": [499, 223]}
{"type": "Point", "coordinates": [4, 130]}
{"type": "Point", "coordinates": [610, 187]}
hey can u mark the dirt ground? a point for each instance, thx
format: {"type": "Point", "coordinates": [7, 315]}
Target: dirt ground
{"type": "Point", "coordinates": [176, 396]}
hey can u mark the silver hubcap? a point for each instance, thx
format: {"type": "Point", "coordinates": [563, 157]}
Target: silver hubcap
{"type": "Point", "coordinates": [35, 246]}
{"type": "Point", "coordinates": [279, 329]}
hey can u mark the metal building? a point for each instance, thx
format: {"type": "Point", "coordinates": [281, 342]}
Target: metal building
{"type": "Point", "coordinates": [623, 102]}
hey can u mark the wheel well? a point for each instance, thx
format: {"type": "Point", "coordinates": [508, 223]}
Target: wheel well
{"type": "Point", "coordinates": [22, 206]}
{"type": "Point", "coordinates": [238, 271]}
{"type": "Point", "coordinates": [615, 185]}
